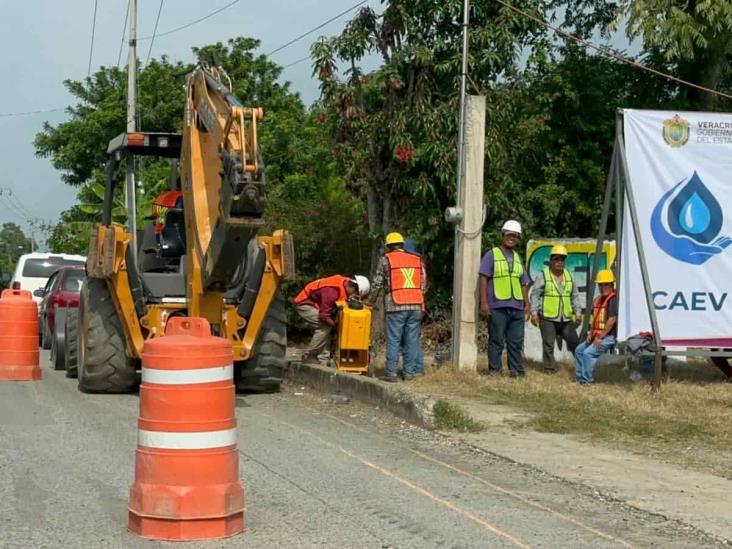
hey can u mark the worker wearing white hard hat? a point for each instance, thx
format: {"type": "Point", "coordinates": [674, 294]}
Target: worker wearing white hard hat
{"type": "Point", "coordinates": [504, 300]}
{"type": "Point", "coordinates": [316, 305]}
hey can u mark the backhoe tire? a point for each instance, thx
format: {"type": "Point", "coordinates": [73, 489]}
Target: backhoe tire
{"type": "Point", "coordinates": [263, 372]}
{"type": "Point", "coordinates": [72, 343]}
{"type": "Point", "coordinates": [102, 365]}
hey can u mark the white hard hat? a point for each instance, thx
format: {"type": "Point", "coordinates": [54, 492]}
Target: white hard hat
{"type": "Point", "coordinates": [511, 226]}
{"type": "Point", "coordinates": [364, 286]}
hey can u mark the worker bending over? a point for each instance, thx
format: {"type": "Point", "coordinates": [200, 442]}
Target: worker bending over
{"type": "Point", "coordinates": [601, 338]}
{"type": "Point", "coordinates": [316, 305]}
{"type": "Point", "coordinates": [401, 274]}
{"type": "Point", "coordinates": [555, 307]}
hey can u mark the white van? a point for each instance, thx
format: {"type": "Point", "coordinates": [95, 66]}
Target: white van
{"type": "Point", "coordinates": [33, 270]}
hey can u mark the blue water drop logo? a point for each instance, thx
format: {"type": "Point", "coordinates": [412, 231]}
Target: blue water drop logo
{"type": "Point", "coordinates": [695, 216]}
{"type": "Point", "coordinates": [693, 222]}
{"type": "Point", "coordinates": [694, 212]}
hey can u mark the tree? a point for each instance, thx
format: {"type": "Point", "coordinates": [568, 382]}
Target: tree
{"type": "Point", "coordinates": [13, 244]}
{"type": "Point", "coordinates": [304, 191]}
{"type": "Point", "coordinates": [395, 128]}
{"type": "Point", "coordinates": [695, 35]}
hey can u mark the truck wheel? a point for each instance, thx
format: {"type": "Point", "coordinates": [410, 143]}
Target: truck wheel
{"type": "Point", "coordinates": [72, 343]}
{"type": "Point", "coordinates": [263, 372]}
{"type": "Point", "coordinates": [58, 344]}
{"type": "Point", "coordinates": [103, 366]}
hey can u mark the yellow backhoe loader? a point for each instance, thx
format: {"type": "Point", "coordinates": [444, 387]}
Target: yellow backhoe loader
{"type": "Point", "coordinates": [202, 256]}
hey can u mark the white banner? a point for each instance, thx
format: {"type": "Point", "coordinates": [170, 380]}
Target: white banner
{"type": "Point", "coordinates": [680, 168]}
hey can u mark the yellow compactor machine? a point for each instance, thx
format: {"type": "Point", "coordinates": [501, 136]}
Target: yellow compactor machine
{"type": "Point", "coordinates": [205, 258]}
{"type": "Point", "coordinates": [352, 350]}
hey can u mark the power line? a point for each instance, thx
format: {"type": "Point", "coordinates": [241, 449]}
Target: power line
{"type": "Point", "coordinates": [28, 113]}
{"type": "Point", "coordinates": [91, 46]}
{"type": "Point", "coordinates": [124, 31]}
{"type": "Point", "coordinates": [303, 35]}
{"type": "Point", "coordinates": [171, 31]}
{"type": "Point", "coordinates": [15, 202]}
{"type": "Point", "coordinates": [296, 62]}
{"type": "Point", "coordinates": [611, 54]}
{"type": "Point", "coordinates": [155, 30]}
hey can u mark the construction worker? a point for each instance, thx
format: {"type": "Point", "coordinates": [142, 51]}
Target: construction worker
{"type": "Point", "coordinates": [601, 337]}
{"type": "Point", "coordinates": [316, 305]}
{"type": "Point", "coordinates": [504, 300]}
{"type": "Point", "coordinates": [555, 306]}
{"type": "Point", "coordinates": [401, 274]}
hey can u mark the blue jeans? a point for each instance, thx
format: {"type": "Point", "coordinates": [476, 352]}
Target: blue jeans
{"type": "Point", "coordinates": [586, 356]}
{"type": "Point", "coordinates": [403, 336]}
{"type": "Point", "coordinates": [506, 326]}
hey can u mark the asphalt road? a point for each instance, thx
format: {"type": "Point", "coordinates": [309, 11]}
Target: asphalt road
{"type": "Point", "coordinates": [317, 473]}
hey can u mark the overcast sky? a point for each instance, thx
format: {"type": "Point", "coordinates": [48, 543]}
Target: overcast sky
{"type": "Point", "coordinates": [45, 41]}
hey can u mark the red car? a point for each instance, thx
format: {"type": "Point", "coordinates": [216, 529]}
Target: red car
{"type": "Point", "coordinates": [62, 290]}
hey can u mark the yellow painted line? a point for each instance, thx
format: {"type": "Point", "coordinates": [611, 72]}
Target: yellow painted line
{"type": "Point", "coordinates": [476, 478]}
{"type": "Point", "coordinates": [420, 490]}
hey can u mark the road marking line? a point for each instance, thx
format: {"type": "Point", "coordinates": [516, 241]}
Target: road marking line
{"type": "Point", "coordinates": [485, 524]}
{"type": "Point", "coordinates": [186, 441]}
{"type": "Point", "coordinates": [186, 377]}
{"type": "Point", "coordinates": [483, 481]}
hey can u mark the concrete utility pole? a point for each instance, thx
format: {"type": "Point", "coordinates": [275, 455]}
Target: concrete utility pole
{"type": "Point", "coordinates": [468, 240]}
{"type": "Point", "coordinates": [468, 216]}
{"type": "Point", "coordinates": [130, 190]}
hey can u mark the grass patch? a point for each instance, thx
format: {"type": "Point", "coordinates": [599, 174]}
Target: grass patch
{"type": "Point", "coordinates": [451, 417]}
{"type": "Point", "coordinates": [688, 422]}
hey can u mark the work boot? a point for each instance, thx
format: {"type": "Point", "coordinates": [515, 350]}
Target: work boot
{"type": "Point", "coordinates": [390, 379]}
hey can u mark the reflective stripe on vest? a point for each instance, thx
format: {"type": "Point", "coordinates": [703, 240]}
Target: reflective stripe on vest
{"type": "Point", "coordinates": [507, 285]}
{"type": "Point", "coordinates": [335, 281]}
{"type": "Point", "coordinates": [554, 304]}
{"type": "Point", "coordinates": [405, 277]}
{"type": "Point", "coordinates": [599, 312]}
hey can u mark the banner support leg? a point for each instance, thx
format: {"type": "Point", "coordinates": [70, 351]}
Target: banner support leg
{"type": "Point", "coordinates": [641, 257]}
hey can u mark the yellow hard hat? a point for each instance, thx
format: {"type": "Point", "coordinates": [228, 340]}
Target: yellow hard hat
{"type": "Point", "coordinates": [394, 238]}
{"type": "Point", "coordinates": [558, 250]}
{"type": "Point", "coordinates": [605, 276]}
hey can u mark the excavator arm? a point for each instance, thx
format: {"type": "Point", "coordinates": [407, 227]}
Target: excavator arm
{"type": "Point", "coordinates": [222, 179]}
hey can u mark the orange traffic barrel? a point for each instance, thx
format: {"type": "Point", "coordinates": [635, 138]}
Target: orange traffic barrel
{"type": "Point", "coordinates": [18, 336]}
{"type": "Point", "coordinates": [187, 483]}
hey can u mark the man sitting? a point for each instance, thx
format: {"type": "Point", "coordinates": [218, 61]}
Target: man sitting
{"type": "Point", "coordinates": [601, 338]}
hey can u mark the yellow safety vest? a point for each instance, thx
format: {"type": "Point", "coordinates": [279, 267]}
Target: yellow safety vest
{"type": "Point", "coordinates": [507, 283]}
{"type": "Point", "coordinates": [555, 303]}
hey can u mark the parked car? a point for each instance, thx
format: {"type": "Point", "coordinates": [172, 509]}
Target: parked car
{"type": "Point", "coordinates": [33, 271]}
{"type": "Point", "coordinates": [62, 290]}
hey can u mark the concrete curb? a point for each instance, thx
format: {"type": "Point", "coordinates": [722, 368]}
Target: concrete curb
{"type": "Point", "coordinates": [395, 398]}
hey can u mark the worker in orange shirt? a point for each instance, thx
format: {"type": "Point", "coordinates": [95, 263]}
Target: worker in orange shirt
{"type": "Point", "coordinates": [316, 305]}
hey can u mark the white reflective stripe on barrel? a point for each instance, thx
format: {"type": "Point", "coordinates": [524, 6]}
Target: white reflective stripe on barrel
{"type": "Point", "coordinates": [186, 441]}
{"type": "Point", "coordinates": [185, 377]}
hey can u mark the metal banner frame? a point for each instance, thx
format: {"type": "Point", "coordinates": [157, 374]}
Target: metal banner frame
{"type": "Point", "coordinates": [618, 190]}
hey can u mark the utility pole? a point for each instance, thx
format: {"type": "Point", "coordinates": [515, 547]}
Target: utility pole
{"type": "Point", "coordinates": [130, 188]}
{"type": "Point", "coordinates": [467, 216]}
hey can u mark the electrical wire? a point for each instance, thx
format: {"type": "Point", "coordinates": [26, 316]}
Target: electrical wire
{"type": "Point", "coordinates": [124, 31]}
{"type": "Point", "coordinates": [609, 53]}
{"type": "Point", "coordinates": [303, 35]}
{"type": "Point", "coordinates": [91, 46]}
{"type": "Point", "coordinates": [296, 62]}
{"type": "Point", "coordinates": [171, 31]}
{"type": "Point", "coordinates": [155, 30]}
{"type": "Point", "coordinates": [15, 202]}
{"type": "Point", "coordinates": [12, 207]}
{"type": "Point", "coordinates": [28, 113]}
